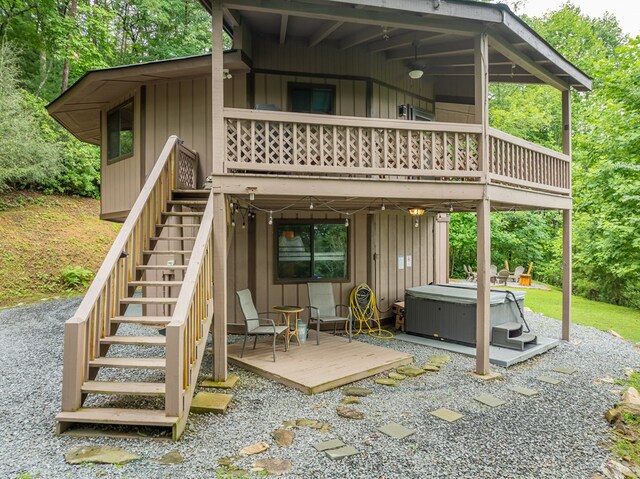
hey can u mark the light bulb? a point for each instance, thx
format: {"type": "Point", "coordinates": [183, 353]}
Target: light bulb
{"type": "Point", "coordinates": [311, 205]}
{"type": "Point", "coordinates": [270, 217]}
{"type": "Point", "coordinates": [450, 207]}
{"type": "Point", "coordinates": [416, 222]}
{"type": "Point", "coordinates": [233, 222]}
{"type": "Point", "coordinates": [346, 221]}
{"type": "Point", "coordinates": [243, 224]}
{"type": "Point", "coordinates": [382, 208]}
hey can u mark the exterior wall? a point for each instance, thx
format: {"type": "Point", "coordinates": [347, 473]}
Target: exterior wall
{"type": "Point", "coordinates": [455, 112]}
{"type": "Point", "coordinates": [388, 235]}
{"type": "Point", "coordinates": [120, 181]}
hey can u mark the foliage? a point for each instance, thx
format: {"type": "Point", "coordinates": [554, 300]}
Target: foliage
{"type": "Point", "coordinates": [75, 277]}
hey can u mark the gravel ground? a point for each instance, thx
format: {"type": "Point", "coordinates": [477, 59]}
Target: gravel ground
{"type": "Point", "coordinates": [559, 434]}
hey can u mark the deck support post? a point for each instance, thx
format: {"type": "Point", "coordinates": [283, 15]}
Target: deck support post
{"type": "Point", "coordinates": [217, 88]}
{"type": "Point", "coordinates": [566, 223]}
{"type": "Point", "coordinates": [219, 329]}
{"type": "Point", "coordinates": [483, 319]}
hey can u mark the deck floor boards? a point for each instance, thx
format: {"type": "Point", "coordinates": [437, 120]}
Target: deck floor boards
{"type": "Point", "coordinates": [313, 369]}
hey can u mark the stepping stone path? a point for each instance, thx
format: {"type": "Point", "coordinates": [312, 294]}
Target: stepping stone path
{"type": "Point", "coordinates": [254, 449]}
{"type": "Point", "coordinates": [395, 430]}
{"type": "Point", "coordinates": [173, 457]}
{"type": "Point", "coordinates": [411, 371]}
{"type": "Point", "coordinates": [524, 391]}
{"type": "Point", "coordinates": [335, 449]}
{"type": "Point", "coordinates": [99, 455]}
{"type": "Point", "coordinates": [273, 466]}
{"type": "Point", "coordinates": [549, 380]}
{"type": "Point", "coordinates": [358, 392]}
{"type": "Point", "coordinates": [283, 437]}
{"type": "Point", "coordinates": [447, 414]}
{"type": "Point", "coordinates": [349, 413]}
{"type": "Point", "coordinates": [350, 400]}
{"type": "Point", "coordinates": [312, 423]}
{"type": "Point", "coordinates": [386, 381]}
{"type": "Point", "coordinates": [397, 376]}
{"type": "Point", "coordinates": [489, 400]}
{"type": "Point", "coordinates": [230, 383]}
{"type": "Point", "coordinates": [431, 367]}
{"type": "Point", "coordinates": [563, 370]}
{"type": "Point", "coordinates": [204, 403]}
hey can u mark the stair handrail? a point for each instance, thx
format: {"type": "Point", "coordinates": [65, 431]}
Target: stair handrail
{"type": "Point", "coordinates": [187, 332]}
{"type": "Point", "coordinates": [83, 331]}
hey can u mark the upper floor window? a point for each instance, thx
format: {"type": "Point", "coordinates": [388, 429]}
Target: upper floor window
{"type": "Point", "coordinates": [120, 132]}
{"type": "Point", "coordinates": [312, 98]}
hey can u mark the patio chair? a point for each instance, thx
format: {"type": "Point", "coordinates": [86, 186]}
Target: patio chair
{"type": "Point", "coordinates": [515, 277]}
{"type": "Point", "coordinates": [323, 308]}
{"type": "Point", "coordinates": [503, 276]}
{"type": "Point", "coordinates": [253, 326]}
{"type": "Point", "coordinates": [493, 273]}
{"type": "Point", "coordinates": [471, 274]}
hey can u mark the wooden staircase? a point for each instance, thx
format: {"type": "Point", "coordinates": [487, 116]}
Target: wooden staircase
{"type": "Point", "coordinates": [157, 278]}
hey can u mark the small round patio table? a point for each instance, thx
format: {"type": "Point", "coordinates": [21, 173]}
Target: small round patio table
{"type": "Point", "coordinates": [287, 312]}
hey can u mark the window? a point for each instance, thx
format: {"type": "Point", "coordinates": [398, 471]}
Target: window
{"type": "Point", "coordinates": [120, 132]}
{"type": "Point", "coordinates": [311, 98]}
{"type": "Point", "coordinates": [311, 250]}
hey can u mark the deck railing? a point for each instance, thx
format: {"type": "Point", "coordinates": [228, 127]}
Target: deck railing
{"type": "Point", "coordinates": [520, 163]}
{"type": "Point", "coordinates": [294, 143]}
{"type": "Point", "coordinates": [101, 303]}
{"type": "Point", "coordinates": [337, 146]}
{"type": "Point", "coordinates": [187, 331]}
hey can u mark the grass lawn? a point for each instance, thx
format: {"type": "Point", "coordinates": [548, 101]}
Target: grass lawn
{"type": "Point", "coordinates": [624, 321]}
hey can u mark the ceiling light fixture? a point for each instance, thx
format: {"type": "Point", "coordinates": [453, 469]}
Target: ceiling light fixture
{"type": "Point", "coordinates": [416, 211]}
{"type": "Point", "coordinates": [415, 74]}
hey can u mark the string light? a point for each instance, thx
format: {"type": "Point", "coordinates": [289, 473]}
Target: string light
{"type": "Point", "coordinates": [416, 222]}
{"type": "Point", "coordinates": [450, 207]}
{"type": "Point", "coordinates": [346, 221]}
{"type": "Point", "coordinates": [311, 205]}
{"type": "Point", "coordinates": [382, 208]}
{"type": "Point", "coordinates": [270, 217]}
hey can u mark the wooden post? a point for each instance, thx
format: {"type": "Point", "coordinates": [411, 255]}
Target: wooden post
{"type": "Point", "coordinates": [174, 374]}
{"type": "Point", "coordinates": [483, 320]}
{"type": "Point", "coordinates": [219, 287]}
{"type": "Point", "coordinates": [217, 89]}
{"type": "Point", "coordinates": [74, 361]}
{"type": "Point", "coordinates": [566, 223]}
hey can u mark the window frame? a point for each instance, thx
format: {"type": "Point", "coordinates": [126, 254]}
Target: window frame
{"type": "Point", "coordinates": [312, 222]}
{"type": "Point", "coordinates": [125, 103]}
{"type": "Point", "coordinates": [326, 86]}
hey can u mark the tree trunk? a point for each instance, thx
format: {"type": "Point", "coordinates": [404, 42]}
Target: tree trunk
{"type": "Point", "coordinates": [65, 68]}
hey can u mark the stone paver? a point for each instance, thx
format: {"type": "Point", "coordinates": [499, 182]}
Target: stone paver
{"type": "Point", "coordinates": [386, 381]}
{"type": "Point", "coordinates": [99, 455]}
{"type": "Point", "coordinates": [395, 430]}
{"type": "Point", "coordinates": [410, 371]}
{"type": "Point", "coordinates": [230, 383]}
{"type": "Point", "coordinates": [353, 391]}
{"type": "Point", "coordinates": [564, 370]}
{"type": "Point", "coordinates": [548, 379]}
{"type": "Point", "coordinates": [327, 445]}
{"type": "Point", "coordinates": [341, 453]}
{"type": "Point", "coordinates": [489, 400]}
{"type": "Point", "coordinates": [524, 391]}
{"type": "Point", "coordinates": [204, 403]}
{"type": "Point", "coordinates": [431, 367]}
{"type": "Point", "coordinates": [397, 376]}
{"type": "Point", "coordinates": [447, 414]}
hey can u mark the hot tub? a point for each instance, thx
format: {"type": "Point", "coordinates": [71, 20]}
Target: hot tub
{"type": "Point", "coordinates": [449, 312]}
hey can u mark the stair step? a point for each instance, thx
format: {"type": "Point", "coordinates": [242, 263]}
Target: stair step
{"type": "Point", "coordinates": [188, 202]}
{"type": "Point", "coordinates": [155, 283]}
{"type": "Point", "coordinates": [171, 251]}
{"type": "Point", "coordinates": [129, 363]}
{"type": "Point", "coordinates": [192, 193]}
{"type": "Point", "coordinates": [187, 225]}
{"type": "Point", "coordinates": [100, 415]}
{"type": "Point", "coordinates": [149, 300]}
{"type": "Point", "coordinates": [183, 213]}
{"type": "Point", "coordinates": [125, 388]}
{"type": "Point", "coordinates": [144, 320]}
{"type": "Point", "coordinates": [175, 238]}
{"type": "Point", "coordinates": [524, 338]}
{"type": "Point", "coordinates": [161, 266]}
{"type": "Point", "coordinates": [135, 340]}
{"type": "Point", "coordinates": [512, 326]}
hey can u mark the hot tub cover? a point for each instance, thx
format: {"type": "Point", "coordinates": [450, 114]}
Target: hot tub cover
{"type": "Point", "coordinates": [460, 295]}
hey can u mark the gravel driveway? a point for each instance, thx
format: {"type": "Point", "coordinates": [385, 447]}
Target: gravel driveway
{"type": "Point", "coordinates": [558, 434]}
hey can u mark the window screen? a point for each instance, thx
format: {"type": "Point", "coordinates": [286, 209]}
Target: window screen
{"type": "Point", "coordinates": [120, 132]}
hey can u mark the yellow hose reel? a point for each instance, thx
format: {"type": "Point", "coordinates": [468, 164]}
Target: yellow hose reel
{"type": "Point", "coordinates": [364, 309]}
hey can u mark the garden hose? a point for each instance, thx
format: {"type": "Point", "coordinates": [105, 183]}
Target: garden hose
{"type": "Point", "coordinates": [365, 313]}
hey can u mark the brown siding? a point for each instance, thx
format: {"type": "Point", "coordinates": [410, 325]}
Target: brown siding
{"type": "Point", "coordinates": [455, 112]}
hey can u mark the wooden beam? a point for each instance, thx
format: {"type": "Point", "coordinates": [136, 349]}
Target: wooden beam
{"type": "Point", "coordinates": [405, 40]}
{"type": "Point", "coordinates": [364, 35]}
{"type": "Point", "coordinates": [483, 314]}
{"type": "Point", "coordinates": [232, 17]}
{"type": "Point", "coordinates": [323, 32]}
{"type": "Point", "coordinates": [517, 57]}
{"type": "Point", "coordinates": [219, 329]}
{"type": "Point", "coordinates": [217, 87]}
{"type": "Point", "coordinates": [567, 279]}
{"type": "Point", "coordinates": [442, 49]}
{"type": "Point", "coordinates": [284, 20]}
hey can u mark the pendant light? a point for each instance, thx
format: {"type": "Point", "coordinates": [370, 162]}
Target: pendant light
{"type": "Point", "coordinates": [417, 73]}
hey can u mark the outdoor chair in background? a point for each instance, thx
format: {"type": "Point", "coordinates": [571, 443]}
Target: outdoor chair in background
{"type": "Point", "coordinates": [515, 277]}
{"type": "Point", "coordinates": [324, 310]}
{"type": "Point", "coordinates": [493, 273]}
{"type": "Point", "coordinates": [256, 326]}
{"type": "Point", "coordinates": [471, 274]}
{"type": "Point", "coordinates": [503, 276]}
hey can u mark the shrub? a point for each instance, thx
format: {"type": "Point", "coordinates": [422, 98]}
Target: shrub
{"type": "Point", "coordinates": [75, 277]}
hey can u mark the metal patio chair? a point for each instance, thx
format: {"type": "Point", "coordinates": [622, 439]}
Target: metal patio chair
{"type": "Point", "coordinates": [254, 327]}
{"type": "Point", "coordinates": [323, 308]}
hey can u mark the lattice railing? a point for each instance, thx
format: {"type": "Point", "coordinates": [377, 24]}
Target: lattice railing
{"type": "Point", "coordinates": [186, 168]}
{"type": "Point", "coordinates": [293, 143]}
{"type": "Point", "coordinates": [517, 162]}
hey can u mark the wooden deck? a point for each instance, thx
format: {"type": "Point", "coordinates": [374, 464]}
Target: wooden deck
{"type": "Point", "coordinates": [313, 369]}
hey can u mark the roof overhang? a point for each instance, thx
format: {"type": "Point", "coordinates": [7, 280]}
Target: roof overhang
{"type": "Point", "coordinates": [78, 109]}
{"type": "Point", "coordinates": [510, 38]}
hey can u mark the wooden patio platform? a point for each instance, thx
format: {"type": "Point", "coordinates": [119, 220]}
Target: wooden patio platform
{"type": "Point", "coordinates": [313, 369]}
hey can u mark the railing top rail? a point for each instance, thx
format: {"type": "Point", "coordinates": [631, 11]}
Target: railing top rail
{"type": "Point", "coordinates": [353, 121]}
{"type": "Point", "coordinates": [527, 144]}
{"type": "Point", "coordinates": [110, 261]}
{"type": "Point", "coordinates": [193, 269]}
